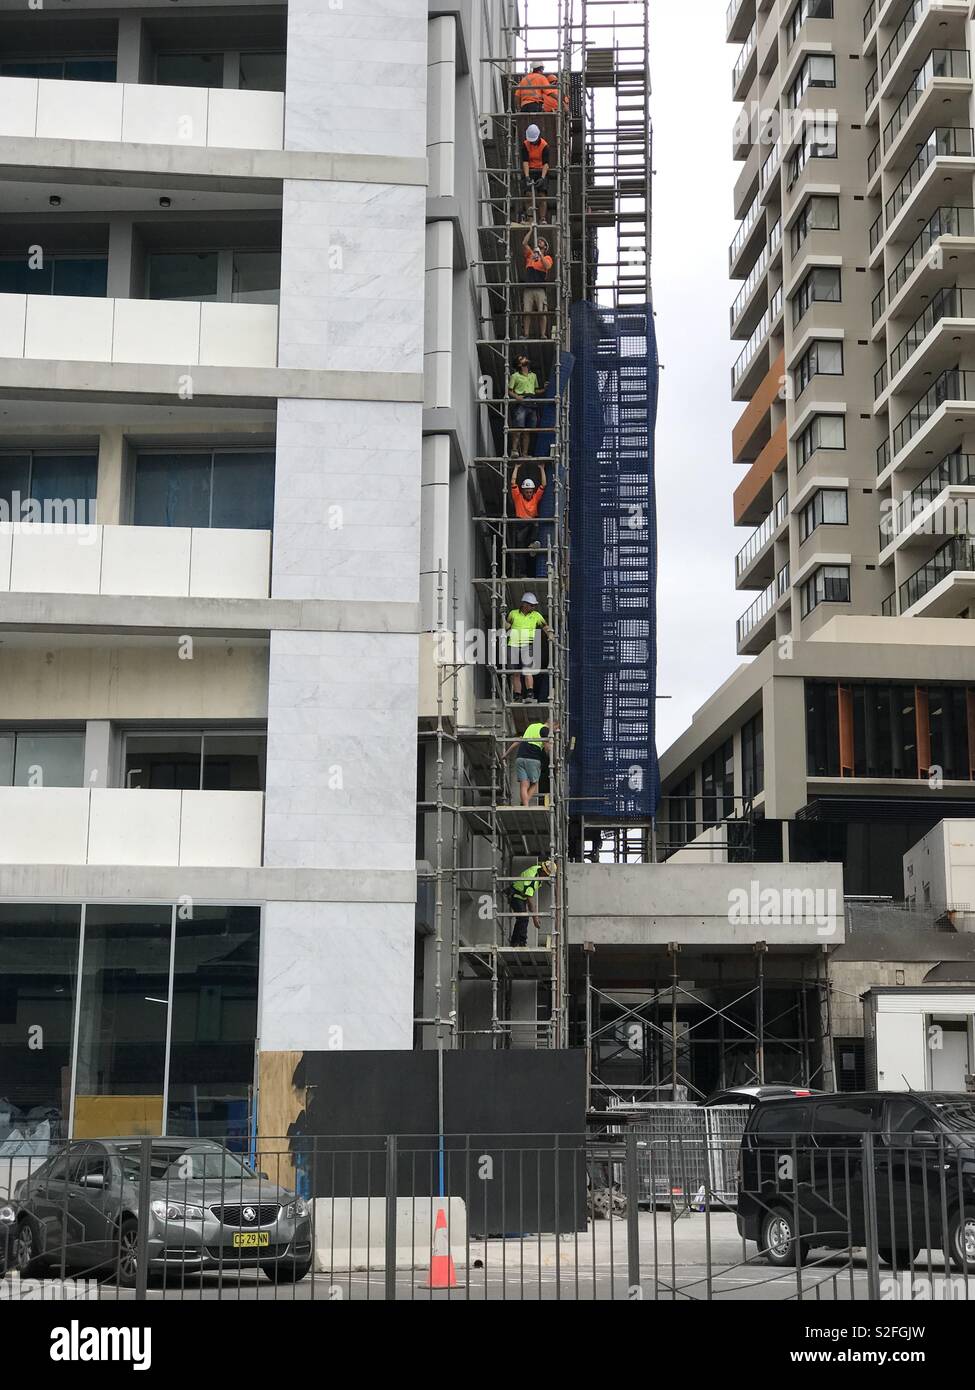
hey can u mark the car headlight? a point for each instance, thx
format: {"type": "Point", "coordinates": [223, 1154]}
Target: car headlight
{"type": "Point", "coordinates": [176, 1211]}
{"type": "Point", "coordinates": [297, 1208]}
{"type": "Point", "coordinates": [7, 1215]}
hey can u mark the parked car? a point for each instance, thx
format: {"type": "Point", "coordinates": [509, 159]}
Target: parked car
{"type": "Point", "coordinates": [751, 1095]}
{"type": "Point", "coordinates": [208, 1210]}
{"type": "Point", "coordinates": [802, 1182]}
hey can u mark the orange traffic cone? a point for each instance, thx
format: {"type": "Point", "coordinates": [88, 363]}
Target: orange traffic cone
{"type": "Point", "coordinates": [443, 1274]}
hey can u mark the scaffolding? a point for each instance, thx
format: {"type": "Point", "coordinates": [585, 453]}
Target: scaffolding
{"type": "Point", "coordinates": [594, 216]}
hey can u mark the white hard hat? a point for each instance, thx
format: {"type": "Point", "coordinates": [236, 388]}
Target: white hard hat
{"type": "Point", "coordinates": [528, 485]}
{"type": "Point", "coordinates": [529, 598]}
{"type": "Point", "coordinates": [532, 134]}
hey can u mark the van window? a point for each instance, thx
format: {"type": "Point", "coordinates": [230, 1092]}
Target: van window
{"type": "Point", "coordinates": [791, 1117]}
{"type": "Point", "coordinates": [958, 1115]}
{"type": "Point", "coordinates": [907, 1117]}
{"type": "Point", "coordinates": [847, 1117]}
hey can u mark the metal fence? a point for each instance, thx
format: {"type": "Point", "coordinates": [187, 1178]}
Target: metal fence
{"type": "Point", "coordinates": [542, 1217]}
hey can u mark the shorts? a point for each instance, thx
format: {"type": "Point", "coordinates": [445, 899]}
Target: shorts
{"type": "Point", "coordinates": [523, 658]}
{"type": "Point", "coordinates": [528, 769]}
{"type": "Point", "coordinates": [524, 417]}
{"type": "Point", "coordinates": [535, 299]}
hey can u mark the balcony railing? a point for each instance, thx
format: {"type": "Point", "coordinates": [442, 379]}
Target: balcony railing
{"type": "Point", "coordinates": [872, 88]}
{"type": "Point", "coordinates": [880, 380]}
{"type": "Point", "coordinates": [957, 553]}
{"type": "Point", "coordinates": [945, 221]}
{"type": "Point", "coordinates": [946, 140]}
{"type": "Point", "coordinates": [761, 536]}
{"type": "Point", "coordinates": [877, 307]}
{"type": "Point", "coordinates": [888, 609]}
{"type": "Point", "coordinates": [948, 303]}
{"type": "Point", "coordinates": [955, 470]}
{"type": "Point", "coordinates": [731, 13]}
{"type": "Point", "coordinates": [940, 62]}
{"type": "Point", "coordinates": [747, 49]}
{"type": "Point", "coordinates": [883, 455]}
{"type": "Point", "coordinates": [869, 18]}
{"type": "Point", "coordinates": [754, 614]}
{"type": "Point", "coordinates": [768, 168]}
{"type": "Point", "coordinates": [876, 232]}
{"type": "Point", "coordinates": [904, 29]}
{"type": "Point", "coordinates": [873, 161]}
{"type": "Point", "coordinates": [951, 385]}
{"type": "Point", "coordinates": [759, 335]}
{"type": "Point", "coordinates": [747, 223]}
{"type": "Point", "coordinates": [782, 580]}
{"type": "Point", "coordinates": [758, 270]}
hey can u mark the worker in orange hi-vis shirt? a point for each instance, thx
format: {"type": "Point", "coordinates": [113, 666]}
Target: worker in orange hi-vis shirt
{"type": "Point", "coordinates": [526, 498]}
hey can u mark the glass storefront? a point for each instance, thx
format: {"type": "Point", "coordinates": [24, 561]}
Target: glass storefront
{"type": "Point", "coordinates": [118, 1019]}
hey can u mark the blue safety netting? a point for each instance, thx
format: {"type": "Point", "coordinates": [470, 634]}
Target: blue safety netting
{"type": "Point", "coordinates": [613, 577]}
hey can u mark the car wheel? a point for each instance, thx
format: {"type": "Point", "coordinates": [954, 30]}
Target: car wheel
{"type": "Point", "coordinates": [898, 1259]}
{"type": "Point", "coordinates": [287, 1272]}
{"type": "Point", "coordinates": [777, 1242]}
{"type": "Point", "coordinates": [961, 1241]}
{"type": "Point", "coordinates": [126, 1264]}
{"type": "Point", "coordinates": [25, 1258]}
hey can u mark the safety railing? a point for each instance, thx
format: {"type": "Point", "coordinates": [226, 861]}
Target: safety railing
{"type": "Point", "coordinates": [901, 35]}
{"type": "Point", "coordinates": [957, 553]}
{"type": "Point", "coordinates": [757, 271]}
{"type": "Point", "coordinates": [761, 332]}
{"type": "Point", "coordinates": [944, 221]}
{"type": "Point", "coordinates": [950, 302]}
{"type": "Point", "coordinates": [951, 385]}
{"type": "Point", "coordinates": [762, 534]}
{"type": "Point", "coordinates": [940, 62]}
{"type": "Point", "coordinates": [747, 223]}
{"type": "Point", "coordinates": [955, 470]}
{"type": "Point", "coordinates": [945, 141]}
{"type": "Point", "coordinates": [770, 165]}
{"type": "Point", "coordinates": [883, 455]}
{"type": "Point", "coordinates": [870, 17]}
{"type": "Point", "coordinates": [741, 63]}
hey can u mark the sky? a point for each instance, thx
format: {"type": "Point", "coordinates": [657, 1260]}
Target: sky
{"type": "Point", "coordinates": [693, 226]}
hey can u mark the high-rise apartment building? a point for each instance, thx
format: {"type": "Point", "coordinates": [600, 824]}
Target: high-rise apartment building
{"type": "Point", "coordinates": [853, 730]}
{"type": "Point", "coordinates": [263, 286]}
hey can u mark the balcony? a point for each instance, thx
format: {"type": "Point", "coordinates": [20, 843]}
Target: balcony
{"type": "Point", "coordinates": [88, 825]}
{"type": "Point", "coordinates": [955, 560]}
{"type": "Point", "coordinates": [901, 35]}
{"type": "Point", "coordinates": [739, 15]}
{"type": "Point", "coordinates": [946, 141]}
{"type": "Point", "coordinates": [769, 167]}
{"type": "Point", "coordinates": [945, 221]}
{"type": "Point", "coordinates": [150, 561]}
{"type": "Point", "coordinates": [870, 18]}
{"type": "Point", "coordinates": [138, 114]}
{"type": "Point", "coordinates": [951, 385]}
{"type": "Point", "coordinates": [761, 537]}
{"type": "Point", "coordinates": [758, 271]}
{"type": "Point", "coordinates": [61, 328]}
{"type": "Point", "coordinates": [957, 470]}
{"type": "Point", "coordinates": [754, 628]}
{"type": "Point", "coordinates": [761, 332]}
{"type": "Point", "coordinates": [948, 303]}
{"type": "Point", "coordinates": [940, 63]}
{"type": "Point", "coordinates": [743, 62]}
{"type": "Point", "coordinates": [742, 234]}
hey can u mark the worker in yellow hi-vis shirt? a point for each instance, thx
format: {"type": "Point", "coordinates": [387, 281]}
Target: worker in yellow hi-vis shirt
{"type": "Point", "coordinates": [523, 899]}
{"type": "Point", "coordinates": [524, 645]}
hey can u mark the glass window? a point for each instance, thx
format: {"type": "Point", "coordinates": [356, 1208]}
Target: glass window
{"type": "Point", "coordinates": [60, 482]}
{"type": "Point", "coordinates": [243, 491]}
{"type": "Point", "coordinates": [852, 1117]}
{"type": "Point", "coordinates": [807, 9]}
{"type": "Point", "coordinates": [233, 762]}
{"type": "Point", "coordinates": [828, 507]}
{"type": "Point", "coordinates": [817, 70]}
{"type": "Point", "coordinates": [822, 729]}
{"type": "Point", "coordinates": [907, 1117]}
{"type": "Point", "coordinates": [214, 1021]}
{"type": "Point", "coordinates": [193, 760]}
{"type": "Point", "coordinates": [823, 357]}
{"type": "Point", "coordinates": [223, 489]}
{"type": "Point", "coordinates": [72, 69]}
{"type": "Point", "coordinates": [49, 760]}
{"type": "Point", "coordinates": [718, 784]}
{"type": "Point", "coordinates": [948, 722]}
{"type": "Point", "coordinates": [84, 276]}
{"type": "Point", "coordinates": [172, 490]}
{"type": "Point", "coordinates": [257, 277]}
{"type": "Point", "coordinates": [38, 977]}
{"type": "Point", "coordinates": [820, 213]}
{"type": "Point", "coordinates": [822, 432]}
{"type": "Point", "coordinates": [262, 72]}
{"type": "Point", "coordinates": [123, 1012]}
{"type": "Point", "coordinates": [823, 285]}
{"type": "Point", "coordinates": [790, 1117]}
{"type": "Point", "coordinates": [14, 484]}
{"type": "Point", "coordinates": [184, 275]}
{"type": "Point", "coordinates": [829, 584]}
{"type": "Point", "coordinates": [189, 69]}
{"type": "Point", "coordinates": [752, 757]}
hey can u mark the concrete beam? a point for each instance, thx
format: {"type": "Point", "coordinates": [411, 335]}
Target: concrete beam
{"type": "Point", "coordinates": [87, 883]}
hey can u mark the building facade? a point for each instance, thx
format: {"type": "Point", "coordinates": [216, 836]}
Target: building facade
{"type": "Point", "coordinates": [853, 732]}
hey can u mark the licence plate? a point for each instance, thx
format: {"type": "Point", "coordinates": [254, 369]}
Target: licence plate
{"type": "Point", "coordinates": [249, 1239]}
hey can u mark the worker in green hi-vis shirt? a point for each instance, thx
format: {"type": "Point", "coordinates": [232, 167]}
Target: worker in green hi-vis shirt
{"type": "Point", "coordinates": [523, 899]}
{"type": "Point", "coordinates": [534, 746]}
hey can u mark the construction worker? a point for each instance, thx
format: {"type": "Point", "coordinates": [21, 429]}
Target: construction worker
{"type": "Point", "coordinates": [538, 264]}
{"type": "Point", "coordinates": [534, 746]}
{"type": "Point", "coordinates": [522, 386]}
{"type": "Point", "coordinates": [526, 498]}
{"type": "Point", "coordinates": [523, 899]}
{"type": "Point", "coordinates": [531, 90]}
{"type": "Point", "coordinates": [524, 645]}
{"type": "Point", "coordinates": [535, 167]}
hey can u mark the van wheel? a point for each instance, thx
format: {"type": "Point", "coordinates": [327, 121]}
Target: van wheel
{"type": "Point", "coordinates": [778, 1243]}
{"type": "Point", "coordinates": [961, 1241]}
{"type": "Point", "coordinates": [899, 1259]}
{"type": "Point", "coordinates": [25, 1258]}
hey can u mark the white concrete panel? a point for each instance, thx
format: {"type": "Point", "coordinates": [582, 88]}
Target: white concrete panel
{"type": "Point", "coordinates": [69, 328]}
{"type": "Point", "coordinates": [18, 106]}
{"type": "Point", "coordinates": [239, 335]}
{"type": "Point", "coordinates": [43, 825]}
{"type": "Point", "coordinates": [55, 559]}
{"type": "Point", "coordinates": [230, 564]}
{"type": "Point", "coordinates": [13, 324]}
{"type": "Point", "coordinates": [146, 560]}
{"type": "Point", "coordinates": [6, 552]}
{"type": "Point", "coordinates": [246, 120]}
{"type": "Point", "coordinates": [133, 826]}
{"type": "Point", "coordinates": [165, 115]}
{"type": "Point", "coordinates": [159, 331]}
{"type": "Point", "coordinates": [221, 829]}
{"type": "Point", "coordinates": [336, 974]}
{"type": "Point", "coordinates": [79, 110]}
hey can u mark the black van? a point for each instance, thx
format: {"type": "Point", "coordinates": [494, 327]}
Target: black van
{"type": "Point", "coordinates": [802, 1180]}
